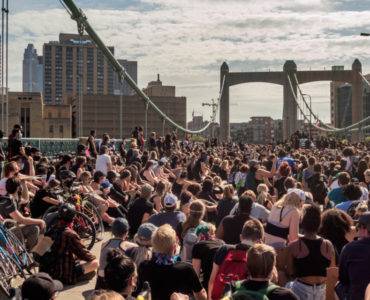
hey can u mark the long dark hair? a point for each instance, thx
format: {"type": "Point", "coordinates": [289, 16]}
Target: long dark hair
{"type": "Point", "coordinates": [118, 271]}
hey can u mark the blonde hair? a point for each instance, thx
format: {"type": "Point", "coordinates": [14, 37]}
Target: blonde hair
{"type": "Point", "coordinates": [164, 240]}
{"type": "Point", "coordinates": [291, 199]}
{"type": "Point", "coordinates": [224, 164]}
{"type": "Point", "coordinates": [262, 193]}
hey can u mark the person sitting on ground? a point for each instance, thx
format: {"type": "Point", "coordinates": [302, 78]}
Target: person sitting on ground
{"type": "Point", "coordinates": [28, 229]}
{"type": "Point", "coordinates": [204, 251]}
{"type": "Point", "coordinates": [141, 209]}
{"type": "Point", "coordinates": [164, 274]}
{"type": "Point", "coordinates": [44, 199]}
{"type": "Point", "coordinates": [228, 255]}
{"type": "Point", "coordinates": [231, 226]}
{"type": "Point", "coordinates": [70, 261]}
{"type": "Point", "coordinates": [260, 265]}
{"type": "Point", "coordinates": [120, 274]}
{"type": "Point", "coordinates": [309, 257]}
{"type": "Point", "coordinates": [143, 248]}
{"type": "Point", "coordinates": [353, 194]}
{"type": "Point", "coordinates": [283, 222]}
{"type": "Point", "coordinates": [120, 229]}
{"type": "Point", "coordinates": [258, 211]}
{"type": "Point", "coordinates": [40, 286]}
{"type": "Point", "coordinates": [336, 195]}
{"type": "Point", "coordinates": [186, 230]}
{"type": "Point", "coordinates": [170, 215]}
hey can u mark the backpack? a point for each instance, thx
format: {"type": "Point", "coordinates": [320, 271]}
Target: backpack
{"type": "Point", "coordinates": [188, 242]}
{"type": "Point", "coordinates": [262, 294]}
{"type": "Point", "coordinates": [233, 268]}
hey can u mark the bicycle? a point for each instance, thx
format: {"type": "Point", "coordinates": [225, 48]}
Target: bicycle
{"type": "Point", "coordinates": [14, 259]}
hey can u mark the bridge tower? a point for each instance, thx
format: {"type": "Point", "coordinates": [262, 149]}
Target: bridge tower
{"type": "Point", "coordinates": [224, 105]}
{"type": "Point", "coordinates": [357, 95]}
{"type": "Point", "coordinates": [290, 120]}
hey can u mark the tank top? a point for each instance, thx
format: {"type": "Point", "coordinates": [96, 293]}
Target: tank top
{"type": "Point", "coordinates": [314, 264]}
{"type": "Point", "coordinates": [281, 232]}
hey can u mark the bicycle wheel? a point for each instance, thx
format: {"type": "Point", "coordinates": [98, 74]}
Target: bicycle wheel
{"type": "Point", "coordinates": [85, 228]}
{"type": "Point", "coordinates": [25, 258]}
{"type": "Point", "coordinates": [8, 271]}
{"type": "Point", "coordinates": [89, 210]}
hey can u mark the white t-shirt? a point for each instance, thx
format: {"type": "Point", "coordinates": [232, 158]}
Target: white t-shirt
{"type": "Point", "coordinates": [102, 162]}
{"type": "Point", "coordinates": [3, 186]}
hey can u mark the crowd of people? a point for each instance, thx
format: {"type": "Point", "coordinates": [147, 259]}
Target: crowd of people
{"type": "Point", "coordinates": [193, 220]}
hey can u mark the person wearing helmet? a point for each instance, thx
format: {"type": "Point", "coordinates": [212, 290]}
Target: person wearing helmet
{"type": "Point", "coordinates": [71, 262]}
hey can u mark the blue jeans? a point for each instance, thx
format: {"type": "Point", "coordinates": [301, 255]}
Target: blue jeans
{"type": "Point", "coordinates": [307, 292]}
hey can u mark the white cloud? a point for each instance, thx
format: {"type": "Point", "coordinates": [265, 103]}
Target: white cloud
{"type": "Point", "coordinates": [186, 41]}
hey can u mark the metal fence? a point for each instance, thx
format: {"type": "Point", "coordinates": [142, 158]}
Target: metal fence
{"type": "Point", "coordinates": [51, 147]}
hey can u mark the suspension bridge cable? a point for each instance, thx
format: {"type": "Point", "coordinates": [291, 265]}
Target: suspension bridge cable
{"type": "Point", "coordinates": [308, 107]}
{"type": "Point", "coordinates": [81, 19]}
{"type": "Point", "coordinates": [337, 130]}
{"type": "Point", "coordinates": [330, 128]}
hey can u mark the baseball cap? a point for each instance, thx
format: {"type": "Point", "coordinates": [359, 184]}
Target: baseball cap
{"type": "Point", "coordinates": [170, 200]}
{"type": "Point", "coordinates": [144, 233]}
{"type": "Point", "coordinates": [120, 227]}
{"type": "Point", "coordinates": [364, 220]}
{"type": "Point", "coordinates": [105, 184]}
{"type": "Point", "coordinates": [40, 287]}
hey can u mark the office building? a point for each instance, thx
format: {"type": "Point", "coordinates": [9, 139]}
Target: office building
{"type": "Point", "coordinates": [37, 119]}
{"type": "Point", "coordinates": [33, 71]}
{"type": "Point", "coordinates": [263, 130]}
{"type": "Point", "coordinates": [131, 69]}
{"type": "Point", "coordinates": [334, 85]}
{"type": "Point", "coordinates": [102, 113]}
{"type": "Point", "coordinates": [73, 65]}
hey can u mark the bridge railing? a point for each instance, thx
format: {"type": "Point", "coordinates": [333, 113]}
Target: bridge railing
{"type": "Point", "coordinates": [54, 146]}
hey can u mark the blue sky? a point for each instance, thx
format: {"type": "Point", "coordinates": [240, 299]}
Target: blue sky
{"type": "Point", "coordinates": [187, 40]}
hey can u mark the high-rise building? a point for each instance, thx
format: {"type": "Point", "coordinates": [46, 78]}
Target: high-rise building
{"type": "Point", "coordinates": [334, 85]}
{"type": "Point", "coordinates": [33, 70]}
{"type": "Point", "coordinates": [343, 106]}
{"type": "Point", "coordinates": [131, 68]}
{"type": "Point", "coordinates": [73, 65]}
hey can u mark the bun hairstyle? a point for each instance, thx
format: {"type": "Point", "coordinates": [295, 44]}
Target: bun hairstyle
{"type": "Point", "coordinates": [118, 271]}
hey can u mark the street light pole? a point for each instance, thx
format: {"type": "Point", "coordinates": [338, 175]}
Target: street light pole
{"type": "Point", "coordinates": [309, 130]}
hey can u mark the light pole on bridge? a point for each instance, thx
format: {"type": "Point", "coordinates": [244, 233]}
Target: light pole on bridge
{"type": "Point", "coordinates": [309, 130]}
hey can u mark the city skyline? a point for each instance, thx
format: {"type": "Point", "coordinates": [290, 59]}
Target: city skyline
{"type": "Point", "coordinates": [164, 35]}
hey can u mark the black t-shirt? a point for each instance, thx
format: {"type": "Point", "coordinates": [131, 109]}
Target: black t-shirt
{"type": "Point", "coordinates": [205, 251]}
{"type": "Point", "coordinates": [136, 213]}
{"type": "Point", "coordinates": [233, 226]}
{"type": "Point", "coordinates": [38, 206]}
{"type": "Point", "coordinates": [279, 293]}
{"type": "Point", "coordinates": [167, 279]}
{"type": "Point", "coordinates": [224, 208]}
{"type": "Point", "coordinates": [221, 253]}
{"type": "Point", "coordinates": [7, 206]}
